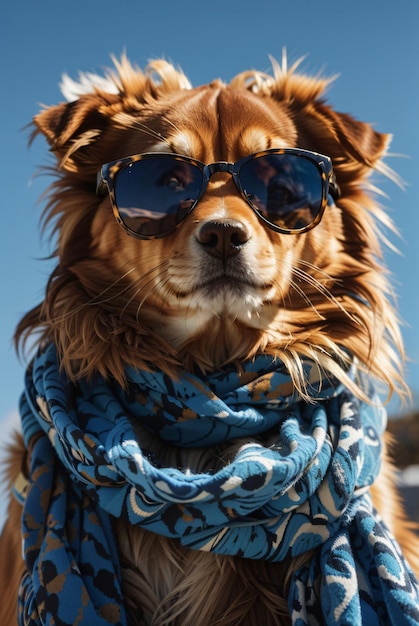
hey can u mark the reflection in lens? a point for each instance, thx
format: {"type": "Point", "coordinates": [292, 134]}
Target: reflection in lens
{"type": "Point", "coordinates": [153, 195]}
{"type": "Point", "coordinates": [286, 189]}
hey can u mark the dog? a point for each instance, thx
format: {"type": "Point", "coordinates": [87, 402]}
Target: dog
{"type": "Point", "coordinates": [245, 228]}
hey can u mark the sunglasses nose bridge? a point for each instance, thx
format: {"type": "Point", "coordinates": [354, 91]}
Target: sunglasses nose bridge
{"type": "Point", "coordinates": [220, 166]}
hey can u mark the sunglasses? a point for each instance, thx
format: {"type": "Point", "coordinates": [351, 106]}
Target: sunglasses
{"type": "Point", "coordinates": [152, 193]}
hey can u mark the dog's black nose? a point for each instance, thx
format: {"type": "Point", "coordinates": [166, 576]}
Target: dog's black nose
{"type": "Point", "coordinates": [223, 238]}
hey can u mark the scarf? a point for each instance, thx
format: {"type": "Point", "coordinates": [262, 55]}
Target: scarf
{"type": "Point", "coordinates": [307, 491]}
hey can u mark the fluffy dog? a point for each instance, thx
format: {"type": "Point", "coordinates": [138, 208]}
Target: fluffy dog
{"type": "Point", "coordinates": [220, 281]}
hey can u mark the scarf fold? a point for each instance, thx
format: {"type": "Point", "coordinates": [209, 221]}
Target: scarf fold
{"type": "Point", "coordinates": [306, 491]}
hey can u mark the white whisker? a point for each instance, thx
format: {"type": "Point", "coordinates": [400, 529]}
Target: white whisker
{"type": "Point", "coordinates": [142, 283]}
{"type": "Point", "coordinates": [136, 124]}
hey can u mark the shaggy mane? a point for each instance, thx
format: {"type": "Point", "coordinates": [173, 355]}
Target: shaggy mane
{"type": "Point", "coordinates": [81, 316]}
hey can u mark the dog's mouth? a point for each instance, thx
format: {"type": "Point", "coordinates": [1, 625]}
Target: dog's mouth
{"type": "Point", "coordinates": [222, 287]}
{"type": "Point", "coordinates": [229, 281]}
{"type": "Point", "coordinates": [228, 284]}
{"type": "Point", "coordinates": [226, 293]}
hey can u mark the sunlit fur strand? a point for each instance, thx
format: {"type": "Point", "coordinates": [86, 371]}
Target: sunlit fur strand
{"type": "Point", "coordinates": [93, 336]}
{"type": "Point", "coordinates": [370, 296]}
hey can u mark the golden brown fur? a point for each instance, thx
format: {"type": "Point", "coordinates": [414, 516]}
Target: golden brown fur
{"type": "Point", "coordinates": [113, 299]}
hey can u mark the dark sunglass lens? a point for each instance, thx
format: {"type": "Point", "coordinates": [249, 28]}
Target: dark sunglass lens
{"type": "Point", "coordinates": [286, 189]}
{"type": "Point", "coordinates": [153, 195]}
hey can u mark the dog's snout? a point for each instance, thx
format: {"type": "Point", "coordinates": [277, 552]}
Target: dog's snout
{"type": "Point", "coordinates": [223, 238]}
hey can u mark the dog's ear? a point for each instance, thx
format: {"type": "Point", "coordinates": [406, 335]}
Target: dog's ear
{"type": "Point", "coordinates": [71, 127]}
{"type": "Point", "coordinates": [353, 144]}
{"type": "Point", "coordinates": [359, 141]}
{"type": "Point", "coordinates": [81, 132]}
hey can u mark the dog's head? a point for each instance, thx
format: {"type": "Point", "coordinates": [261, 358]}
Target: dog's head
{"type": "Point", "coordinates": [218, 284]}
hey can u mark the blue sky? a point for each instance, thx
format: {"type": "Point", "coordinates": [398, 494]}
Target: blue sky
{"type": "Point", "coordinates": [373, 45]}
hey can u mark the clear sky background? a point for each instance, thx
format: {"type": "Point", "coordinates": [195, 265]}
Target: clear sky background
{"type": "Point", "coordinates": [372, 44]}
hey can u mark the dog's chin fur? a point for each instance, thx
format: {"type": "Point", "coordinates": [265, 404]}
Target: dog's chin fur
{"type": "Point", "coordinates": [170, 304]}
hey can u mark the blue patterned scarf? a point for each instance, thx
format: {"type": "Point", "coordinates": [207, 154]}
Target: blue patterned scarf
{"type": "Point", "coordinates": [308, 491]}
